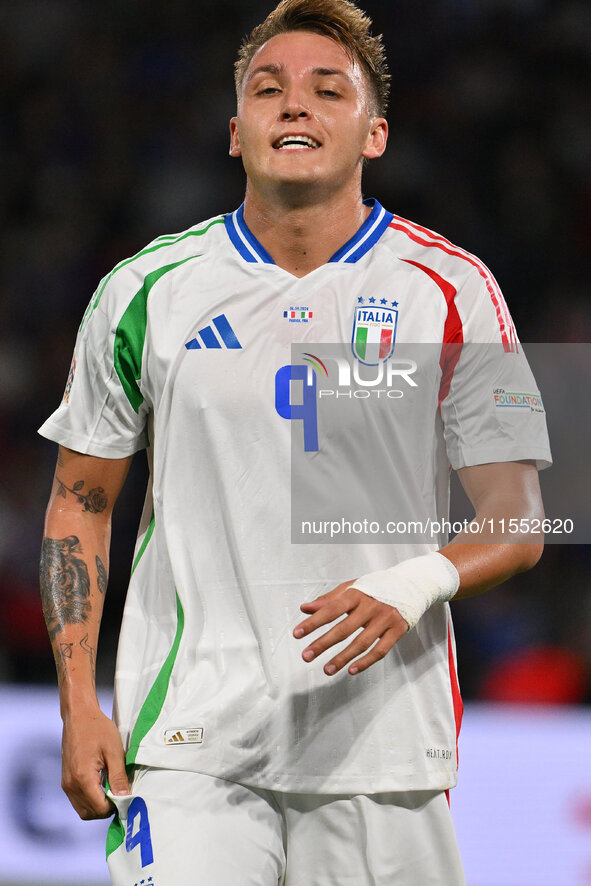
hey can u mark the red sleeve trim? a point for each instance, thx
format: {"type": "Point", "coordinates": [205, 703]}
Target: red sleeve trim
{"type": "Point", "coordinates": [424, 237]}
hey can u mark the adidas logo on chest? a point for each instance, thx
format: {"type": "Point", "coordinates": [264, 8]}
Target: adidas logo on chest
{"type": "Point", "coordinates": [217, 334]}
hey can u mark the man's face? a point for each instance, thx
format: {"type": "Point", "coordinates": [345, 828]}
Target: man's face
{"type": "Point", "coordinates": [304, 120]}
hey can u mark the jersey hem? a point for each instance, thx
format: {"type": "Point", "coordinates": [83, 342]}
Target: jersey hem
{"type": "Point", "coordinates": [85, 446]}
{"type": "Point", "coordinates": [443, 780]}
{"type": "Point", "coordinates": [472, 457]}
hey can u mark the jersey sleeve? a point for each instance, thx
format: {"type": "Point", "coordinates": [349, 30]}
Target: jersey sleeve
{"type": "Point", "coordinates": [491, 406]}
{"type": "Point", "coordinates": [97, 415]}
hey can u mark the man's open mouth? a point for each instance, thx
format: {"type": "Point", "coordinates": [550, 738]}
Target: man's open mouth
{"type": "Point", "coordinates": [295, 143]}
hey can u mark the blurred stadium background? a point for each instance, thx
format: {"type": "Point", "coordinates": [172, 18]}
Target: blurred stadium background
{"type": "Point", "coordinates": [113, 122]}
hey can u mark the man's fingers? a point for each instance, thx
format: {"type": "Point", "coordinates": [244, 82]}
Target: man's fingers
{"type": "Point", "coordinates": [105, 810]}
{"type": "Point", "coordinates": [360, 644]}
{"type": "Point", "coordinates": [328, 612]}
{"type": "Point", "coordinates": [323, 599]}
{"type": "Point", "coordinates": [313, 605]}
{"type": "Point", "coordinates": [92, 749]}
{"type": "Point", "coordinates": [336, 634]}
{"type": "Point", "coordinates": [377, 642]}
{"type": "Point", "coordinates": [82, 782]}
{"type": "Point", "coordinates": [373, 627]}
{"type": "Point", "coordinates": [382, 626]}
{"type": "Point", "coordinates": [377, 652]}
{"type": "Point", "coordinates": [360, 607]}
{"type": "Point", "coordinates": [118, 781]}
{"type": "Point", "coordinates": [88, 799]}
{"type": "Point", "coordinates": [327, 608]}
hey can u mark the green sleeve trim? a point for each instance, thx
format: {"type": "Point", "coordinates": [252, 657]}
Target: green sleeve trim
{"type": "Point", "coordinates": [152, 706]}
{"type": "Point", "coordinates": [166, 240]}
{"type": "Point", "coordinates": [131, 335]}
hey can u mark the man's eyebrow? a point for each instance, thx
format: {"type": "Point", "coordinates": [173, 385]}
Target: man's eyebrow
{"type": "Point", "coordinates": [277, 69]}
{"type": "Point", "coordinates": [265, 69]}
{"type": "Point", "coordinates": [331, 72]}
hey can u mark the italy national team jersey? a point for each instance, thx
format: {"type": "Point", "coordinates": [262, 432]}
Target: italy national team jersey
{"type": "Point", "coordinates": [187, 350]}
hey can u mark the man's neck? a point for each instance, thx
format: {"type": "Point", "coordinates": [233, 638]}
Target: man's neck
{"type": "Point", "coordinates": [302, 238]}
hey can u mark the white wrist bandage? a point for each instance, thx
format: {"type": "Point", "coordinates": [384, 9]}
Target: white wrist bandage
{"type": "Point", "coordinates": [413, 585]}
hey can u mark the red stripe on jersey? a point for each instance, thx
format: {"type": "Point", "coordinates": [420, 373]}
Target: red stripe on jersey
{"type": "Point", "coordinates": [484, 272]}
{"type": "Point", "coordinates": [453, 334]}
{"type": "Point", "coordinates": [385, 342]}
{"type": "Point", "coordinates": [428, 238]}
{"type": "Point", "coordinates": [455, 689]}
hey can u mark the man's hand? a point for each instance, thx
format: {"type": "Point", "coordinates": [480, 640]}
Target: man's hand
{"type": "Point", "coordinates": [91, 748]}
{"type": "Point", "coordinates": [380, 626]}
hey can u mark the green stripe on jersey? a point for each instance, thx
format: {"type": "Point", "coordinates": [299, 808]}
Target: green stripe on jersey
{"type": "Point", "coordinates": [116, 830]}
{"type": "Point", "coordinates": [115, 835]}
{"type": "Point", "coordinates": [160, 243]}
{"type": "Point", "coordinates": [145, 542]}
{"type": "Point", "coordinates": [131, 334]}
{"type": "Point", "coordinates": [155, 698]}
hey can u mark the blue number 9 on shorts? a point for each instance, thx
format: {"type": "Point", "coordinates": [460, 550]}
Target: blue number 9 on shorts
{"type": "Point", "coordinates": [141, 837]}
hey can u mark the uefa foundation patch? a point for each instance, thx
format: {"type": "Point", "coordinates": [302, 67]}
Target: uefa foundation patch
{"type": "Point", "coordinates": [517, 400]}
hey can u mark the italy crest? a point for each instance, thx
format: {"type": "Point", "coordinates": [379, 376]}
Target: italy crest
{"type": "Point", "coordinates": [374, 333]}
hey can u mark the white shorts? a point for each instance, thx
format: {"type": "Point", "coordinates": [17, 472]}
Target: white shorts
{"type": "Point", "coordinates": [183, 827]}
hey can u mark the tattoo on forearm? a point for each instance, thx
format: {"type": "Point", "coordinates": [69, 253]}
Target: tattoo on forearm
{"type": "Point", "coordinates": [64, 654]}
{"type": "Point", "coordinates": [91, 651]}
{"type": "Point", "coordinates": [66, 650]}
{"type": "Point", "coordinates": [61, 655]}
{"type": "Point", "coordinates": [101, 575]}
{"type": "Point", "coordinates": [95, 500]}
{"type": "Point", "coordinates": [65, 584]}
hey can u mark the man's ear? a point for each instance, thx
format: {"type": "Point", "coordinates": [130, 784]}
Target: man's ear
{"type": "Point", "coordinates": [376, 139]}
{"type": "Point", "coordinates": [235, 149]}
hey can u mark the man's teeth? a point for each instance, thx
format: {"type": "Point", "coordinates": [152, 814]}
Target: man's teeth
{"type": "Point", "coordinates": [295, 142]}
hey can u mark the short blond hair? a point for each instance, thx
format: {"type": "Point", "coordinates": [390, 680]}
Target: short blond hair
{"type": "Point", "coordinates": [340, 20]}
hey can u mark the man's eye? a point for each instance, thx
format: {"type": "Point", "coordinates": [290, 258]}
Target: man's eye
{"type": "Point", "coordinates": [329, 93]}
{"type": "Point", "coordinates": [268, 90]}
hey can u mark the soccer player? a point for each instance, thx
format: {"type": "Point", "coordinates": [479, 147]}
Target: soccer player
{"type": "Point", "coordinates": [256, 745]}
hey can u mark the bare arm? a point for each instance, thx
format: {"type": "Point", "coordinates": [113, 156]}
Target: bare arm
{"type": "Point", "coordinates": [508, 490]}
{"type": "Point", "coordinates": [73, 577]}
{"type": "Point", "coordinates": [497, 492]}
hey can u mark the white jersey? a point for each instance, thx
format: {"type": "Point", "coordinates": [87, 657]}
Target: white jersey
{"type": "Point", "coordinates": [186, 349]}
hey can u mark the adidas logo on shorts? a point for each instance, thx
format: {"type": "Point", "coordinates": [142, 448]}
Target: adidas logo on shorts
{"type": "Point", "coordinates": [193, 735]}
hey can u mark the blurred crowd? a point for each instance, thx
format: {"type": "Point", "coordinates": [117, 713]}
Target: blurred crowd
{"type": "Point", "coordinates": [114, 130]}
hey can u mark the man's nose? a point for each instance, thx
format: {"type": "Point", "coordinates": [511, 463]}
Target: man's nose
{"type": "Point", "coordinates": [290, 114]}
{"type": "Point", "coordinates": [294, 106]}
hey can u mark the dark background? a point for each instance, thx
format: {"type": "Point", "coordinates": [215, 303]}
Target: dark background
{"type": "Point", "coordinates": [113, 130]}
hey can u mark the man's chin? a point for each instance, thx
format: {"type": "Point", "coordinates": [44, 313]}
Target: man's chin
{"type": "Point", "coordinates": [303, 190]}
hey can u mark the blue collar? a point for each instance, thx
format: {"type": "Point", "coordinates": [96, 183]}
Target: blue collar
{"type": "Point", "coordinates": [368, 234]}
